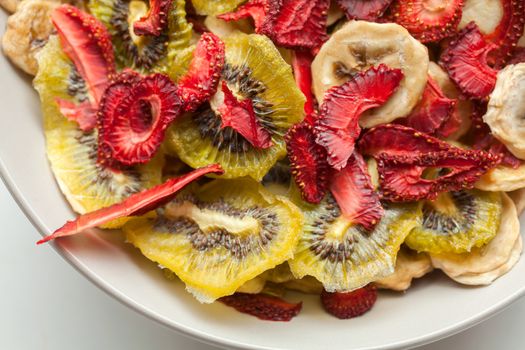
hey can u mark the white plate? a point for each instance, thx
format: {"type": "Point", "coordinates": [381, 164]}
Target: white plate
{"type": "Point", "coordinates": [433, 309]}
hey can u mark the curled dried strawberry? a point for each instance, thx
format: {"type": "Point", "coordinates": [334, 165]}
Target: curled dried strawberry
{"type": "Point", "coordinates": [202, 78]}
{"type": "Point", "coordinates": [465, 60]}
{"type": "Point", "coordinates": [133, 118]}
{"type": "Point", "coordinates": [87, 43]}
{"type": "Point", "coordinates": [136, 204]}
{"type": "Point", "coordinates": [404, 155]}
{"type": "Point", "coordinates": [337, 127]}
{"type": "Point", "coordinates": [240, 116]}
{"type": "Point", "coordinates": [307, 162]}
{"type": "Point", "coordinates": [155, 20]}
{"type": "Point", "coordinates": [433, 113]}
{"type": "Point", "coordinates": [368, 10]}
{"type": "Point", "coordinates": [351, 304]}
{"type": "Point", "coordinates": [353, 190]}
{"type": "Point", "coordinates": [296, 24]}
{"type": "Point", "coordinates": [507, 33]}
{"type": "Point", "coordinates": [428, 20]}
{"type": "Point", "coordinates": [84, 114]}
{"type": "Point", "coordinates": [302, 70]}
{"type": "Point", "coordinates": [264, 307]}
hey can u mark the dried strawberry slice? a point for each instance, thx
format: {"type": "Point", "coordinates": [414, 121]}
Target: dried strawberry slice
{"type": "Point", "coordinates": [368, 10]}
{"type": "Point", "coordinates": [337, 127]}
{"type": "Point", "coordinates": [518, 56]}
{"type": "Point", "coordinates": [262, 306]}
{"type": "Point", "coordinates": [136, 204]}
{"type": "Point", "coordinates": [307, 162]}
{"type": "Point", "coordinates": [300, 24]}
{"type": "Point", "coordinates": [133, 119]}
{"type": "Point", "coordinates": [87, 43]}
{"type": "Point", "coordinates": [240, 116]}
{"type": "Point", "coordinates": [428, 20]}
{"type": "Point", "coordinates": [465, 60]}
{"type": "Point", "coordinates": [353, 190]}
{"type": "Point", "coordinates": [351, 304]}
{"type": "Point", "coordinates": [202, 78]}
{"type": "Point", "coordinates": [155, 20]}
{"type": "Point", "coordinates": [259, 10]}
{"type": "Point", "coordinates": [302, 70]}
{"type": "Point", "coordinates": [507, 33]}
{"type": "Point", "coordinates": [433, 112]}
{"type": "Point", "coordinates": [84, 114]}
{"type": "Point", "coordinates": [296, 24]}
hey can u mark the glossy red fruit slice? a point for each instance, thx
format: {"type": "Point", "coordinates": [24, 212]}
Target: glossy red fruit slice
{"type": "Point", "coordinates": [136, 204]}
{"type": "Point", "coordinates": [156, 20]}
{"type": "Point", "coordinates": [433, 112]}
{"type": "Point", "coordinates": [353, 190]}
{"type": "Point", "coordinates": [507, 33]}
{"type": "Point", "coordinates": [368, 10]}
{"type": "Point", "coordinates": [202, 78]}
{"type": "Point", "coordinates": [84, 114]}
{"type": "Point", "coordinates": [133, 118]}
{"type": "Point", "coordinates": [302, 70]}
{"type": "Point", "coordinates": [240, 116]}
{"type": "Point", "coordinates": [259, 10]}
{"type": "Point", "coordinates": [351, 304]}
{"type": "Point", "coordinates": [264, 307]}
{"type": "Point", "coordinates": [300, 24]}
{"type": "Point", "coordinates": [428, 20]}
{"type": "Point", "coordinates": [87, 43]}
{"type": "Point", "coordinates": [337, 127]}
{"type": "Point", "coordinates": [307, 162]}
{"type": "Point", "coordinates": [465, 60]}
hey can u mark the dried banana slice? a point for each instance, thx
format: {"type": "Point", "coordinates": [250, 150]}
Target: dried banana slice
{"type": "Point", "coordinates": [27, 32]}
{"type": "Point", "coordinates": [487, 14]}
{"type": "Point", "coordinates": [487, 278]}
{"type": "Point", "coordinates": [9, 5]}
{"type": "Point", "coordinates": [357, 46]}
{"type": "Point", "coordinates": [409, 265]}
{"type": "Point", "coordinates": [502, 178]}
{"type": "Point", "coordinates": [518, 197]}
{"type": "Point", "coordinates": [253, 286]}
{"type": "Point", "coordinates": [507, 107]}
{"type": "Point", "coordinates": [489, 257]}
{"type": "Point", "coordinates": [463, 107]}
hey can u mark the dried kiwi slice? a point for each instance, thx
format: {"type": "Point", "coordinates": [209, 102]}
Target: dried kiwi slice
{"type": "Point", "coordinates": [344, 256]}
{"type": "Point", "coordinates": [72, 153]}
{"type": "Point", "coordinates": [168, 53]}
{"type": "Point", "coordinates": [215, 7]}
{"type": "Point", "coordinates": [456, 222]}
{"type": "Point", "coordinates": [253, 70]}
{"type": "Point", "coordinates": [217, 237]}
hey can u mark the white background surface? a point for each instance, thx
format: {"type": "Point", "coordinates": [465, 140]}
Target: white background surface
{"type": "Point", "coordinates": [45, 304]}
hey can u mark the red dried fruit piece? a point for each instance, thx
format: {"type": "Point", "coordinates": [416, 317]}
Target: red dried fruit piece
{"type": "Point", "coordinates": [353, 190]}
{"type": "Point", "coordinates": [302, 70]}
{"type": "Point", "coordinates": [508, 32]}
{"type": "Point", "coordinates": [433, 112]}
{"type": "Point", "coordinates": [428, 20]}
{"type": "Point", "coordinates": [465, 60]}
{"type": "Point", "coordinates": [402, 176]}
{"type": "Point", "coordinates": [518, 56]}
{"type": "Point", "coordinates": [133, 118]}
{"type": "Point", "coordinates": [240, 116]}
{"type": "Point", "coordinates": [155, 20]}
{"type": "Point", "coordinates": [136, 204]}
{"type": "Point", "coordinates": [349, 305]}
{"type": "Point", "coordinates": [259, 10]}
{"type": "Point", "coordinates": [337, 127]}
{"type": "Point", "coordinates": [264, 307]}
{"type": "Point", "coordinates": [87, 43]}
{"type": "Point", "coordinates": [307, 162]}
{"type": "Point", "coordinates": [368, 10]}
{"type": "Point", "coordinates": [84, 114]}
{"type": "Point", "coordinates": [296, 24]}
{"type": "Point", "coordinates": [202, 78]}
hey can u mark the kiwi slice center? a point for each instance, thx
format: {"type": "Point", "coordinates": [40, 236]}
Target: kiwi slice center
{"type": "Point", "coordinates": [450, 213]}
{"type": "Point", "coordinates": [137, 10]}
{"type": "Point", "coordinates": [211, 220]}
